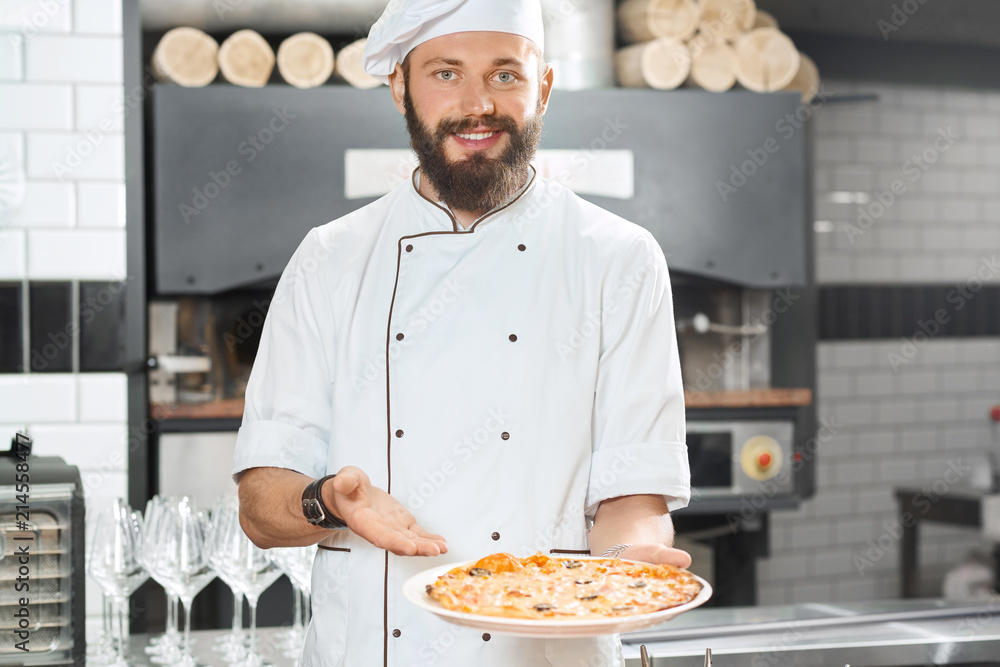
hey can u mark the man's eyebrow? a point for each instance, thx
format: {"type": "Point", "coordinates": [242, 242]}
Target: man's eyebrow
{"type": "Point", "coordinates": [455, 62]}
{"type": "Point", "coordinates": [507, 62]}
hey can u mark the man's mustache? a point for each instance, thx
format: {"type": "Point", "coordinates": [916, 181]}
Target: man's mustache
{"type": "Point", "coordinates": [456, 126]}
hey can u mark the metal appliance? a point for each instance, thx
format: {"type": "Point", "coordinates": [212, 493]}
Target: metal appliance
{"type": "Point", "coordinates": [42, 598]}
{"type": "Point", "coordinates": [740, 458]}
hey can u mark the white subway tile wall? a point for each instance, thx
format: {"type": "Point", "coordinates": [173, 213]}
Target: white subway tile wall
{"type": "Point", "coordinates": [46, 204]}
{"type": "Point", "coordinates": [902, 426]}
{"type": "Point", "coordinates": [30, 17]}
{"type": "Point", "coordinates": [60, 91]}
{"type": "Point", "coordinates": [39, 105]}
{"type": "Point", "coordinates": [942, 146]}
{"type": "Point", "coordinates": [91, 154]}
{"type": "Point", "coordinates": [64, 59]}
{"type": "Point", "coordinates": [100, 204]}
{"type": "Point", "coordinates": [11, 57]}
{"type": "Point", "coordinates": [89, 254]}
{"type": "Point", "coordinates": [12, 254]}
{"type": "Point", "coordinates": [100, 106]}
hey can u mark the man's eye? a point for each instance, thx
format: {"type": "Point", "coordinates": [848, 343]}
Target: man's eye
{"type": "Point", "coordinates": [447, 75]}
{"type": "Point", "coordinates": [505, 77]}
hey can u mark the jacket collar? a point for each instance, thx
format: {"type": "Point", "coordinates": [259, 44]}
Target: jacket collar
{"type": "Point", "coordinates": [445, 220]}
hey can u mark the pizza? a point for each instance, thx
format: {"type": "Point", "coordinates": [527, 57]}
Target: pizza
{"type": "Point", "coordinates": [540, 587]}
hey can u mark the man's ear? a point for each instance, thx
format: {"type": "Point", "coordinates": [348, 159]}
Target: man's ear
{"type": "Point", "coordinates": [546, 87]}
{"type": "Point", "coordinates": [397, 86]}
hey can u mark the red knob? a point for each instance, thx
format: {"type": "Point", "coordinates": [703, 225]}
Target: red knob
{"type": "Point", "coordinates": [995, 413]}
{"type": "Point", "coordinates": [764, 460]}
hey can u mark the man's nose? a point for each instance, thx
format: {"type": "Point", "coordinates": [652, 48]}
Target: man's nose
{"type": "Point", "coordinates": [477, 99]}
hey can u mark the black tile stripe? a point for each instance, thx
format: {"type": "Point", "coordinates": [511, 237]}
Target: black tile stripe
{"type": "Point", "coordinates": [858, 312]}
{"type": "Point", "coordinates": [11, 330]}
{"type": "Point", "coordinates": [102, 326]}
{"type": "Point", "coordinates": [52, 327]}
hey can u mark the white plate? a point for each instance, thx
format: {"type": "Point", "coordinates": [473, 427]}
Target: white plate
{"type": "Point", "coordinates": [415, 590]}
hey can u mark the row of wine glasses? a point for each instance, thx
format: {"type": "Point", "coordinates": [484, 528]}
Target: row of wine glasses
{"type": "Point", "coordinates": [183, 549]}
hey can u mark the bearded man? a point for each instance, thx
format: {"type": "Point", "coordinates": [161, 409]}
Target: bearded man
{"type": "Point", "coordinates": [529, 397]}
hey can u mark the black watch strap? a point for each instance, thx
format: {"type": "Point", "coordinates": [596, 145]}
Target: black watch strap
{"type": "Point", "coordinates": [315, 510]}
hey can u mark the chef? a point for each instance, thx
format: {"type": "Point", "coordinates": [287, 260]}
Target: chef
{"type": "Point", "coordinates": [478, 362]}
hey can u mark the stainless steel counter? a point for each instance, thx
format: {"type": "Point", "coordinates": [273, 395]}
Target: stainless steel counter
{"type": "Point", "coordinates": [895, 633]}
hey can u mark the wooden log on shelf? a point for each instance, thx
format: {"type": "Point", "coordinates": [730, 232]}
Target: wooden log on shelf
{"type": "Point", "coordinates": [764, 20]}
{"type": "Point", "coordinates": [713, 67]}
{"type": "Point", "coordinates": [644, 20]}
{"type": "Point", "coordinates": [662, 63]}
{"type": "Point", "coordinates": [187, 57]}
{"type": "Point", "coordinates": [305, 60]}
{"type": "Point", "coordinates": [768, 60]}
{"type": "Point", "coordinates": [246, 59]}
{"type": "Point", "coordinates": [350, 69]}
{"type": "Point", "coordinates": [806, 79]}
{"type": "Point", "coordinates": [726, 19]}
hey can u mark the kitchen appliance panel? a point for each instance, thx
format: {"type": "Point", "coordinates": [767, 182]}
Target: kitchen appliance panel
{"type": "Point", "coordinates": [741, 458]}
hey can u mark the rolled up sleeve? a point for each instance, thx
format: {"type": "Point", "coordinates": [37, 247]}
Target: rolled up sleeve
{"type": "Point", "coordinates": [639, 432]}
{"type": "Point", "coordinates": [286, 421]}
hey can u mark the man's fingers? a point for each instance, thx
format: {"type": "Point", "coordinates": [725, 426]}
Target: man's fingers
{"type": "Point", "coordinates": [427, 535]}
{"type": "Point", "coordinates": [658, 553]}
{"type": "Point", "coordinates": [385, 537]}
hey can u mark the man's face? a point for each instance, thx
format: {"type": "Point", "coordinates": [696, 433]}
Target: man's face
{"type": "Point", "coordinates": [473, 104]}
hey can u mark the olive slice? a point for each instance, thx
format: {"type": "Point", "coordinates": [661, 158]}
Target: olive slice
{"type": "Point", "coordinates": [584, 581]}
{"type": "Point", "coordinates": [572, 564]}
{"type": "Point", "coordinates": [587, 597]}
{"type": "Point", "coordinates": [638, 584]}
{"type": "Point", "coordinates": [479, 572]}
{"type": "Point", "coordinates": [543, 606]}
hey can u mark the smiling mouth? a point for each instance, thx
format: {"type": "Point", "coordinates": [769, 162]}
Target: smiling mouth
{"type": "Point", "coordinates": [477, 136]}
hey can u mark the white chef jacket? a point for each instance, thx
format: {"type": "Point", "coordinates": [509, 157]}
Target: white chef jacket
{"type": "Point", "coordinates": [500, 383]}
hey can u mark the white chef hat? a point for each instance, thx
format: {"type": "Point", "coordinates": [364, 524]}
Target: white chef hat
{"type": "Point", "coordinates": [405, 24]}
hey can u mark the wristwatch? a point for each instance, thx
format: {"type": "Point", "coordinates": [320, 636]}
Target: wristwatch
{"type": "Point", "coordinates": [316, 511]}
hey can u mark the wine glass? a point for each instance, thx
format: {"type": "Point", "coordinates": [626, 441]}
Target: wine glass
{"type": "Point", "coordinates": [296, 563]}
{"type": "Point", "coordinates": [116, 563]}
{"type": "Point", "coordinates": [102, 651]}
{"type": "Point", "coordinates": [180, 556]}
{"type": "Point", "coordinates": [232, 644]}
{"type": "Point", "coordinates": [165, 649]}
{"type": "Point", "coordinates": [250, 568]}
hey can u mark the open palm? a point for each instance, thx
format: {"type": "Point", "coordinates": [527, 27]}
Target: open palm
{"type": "Point", "coordinates": [378, 517]}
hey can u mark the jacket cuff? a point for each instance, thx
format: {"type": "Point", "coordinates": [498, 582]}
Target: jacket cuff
{"type": "Point", "coordinates": [656, 468]}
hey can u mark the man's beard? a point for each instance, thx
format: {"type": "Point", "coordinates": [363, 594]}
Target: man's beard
{"type": "Point", "coordinates": [477, 182]}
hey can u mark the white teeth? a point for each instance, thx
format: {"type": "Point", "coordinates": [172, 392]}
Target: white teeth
{"type": "Point", "coordinates": [479, 136]}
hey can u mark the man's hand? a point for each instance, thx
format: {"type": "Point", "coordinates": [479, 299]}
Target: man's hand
{"type": "Point", "coordinates": [657, 553]}
{"type": "Point", "coordinates": [641, 521]}
{"type": "Point", "coordinates": [378, 517]}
